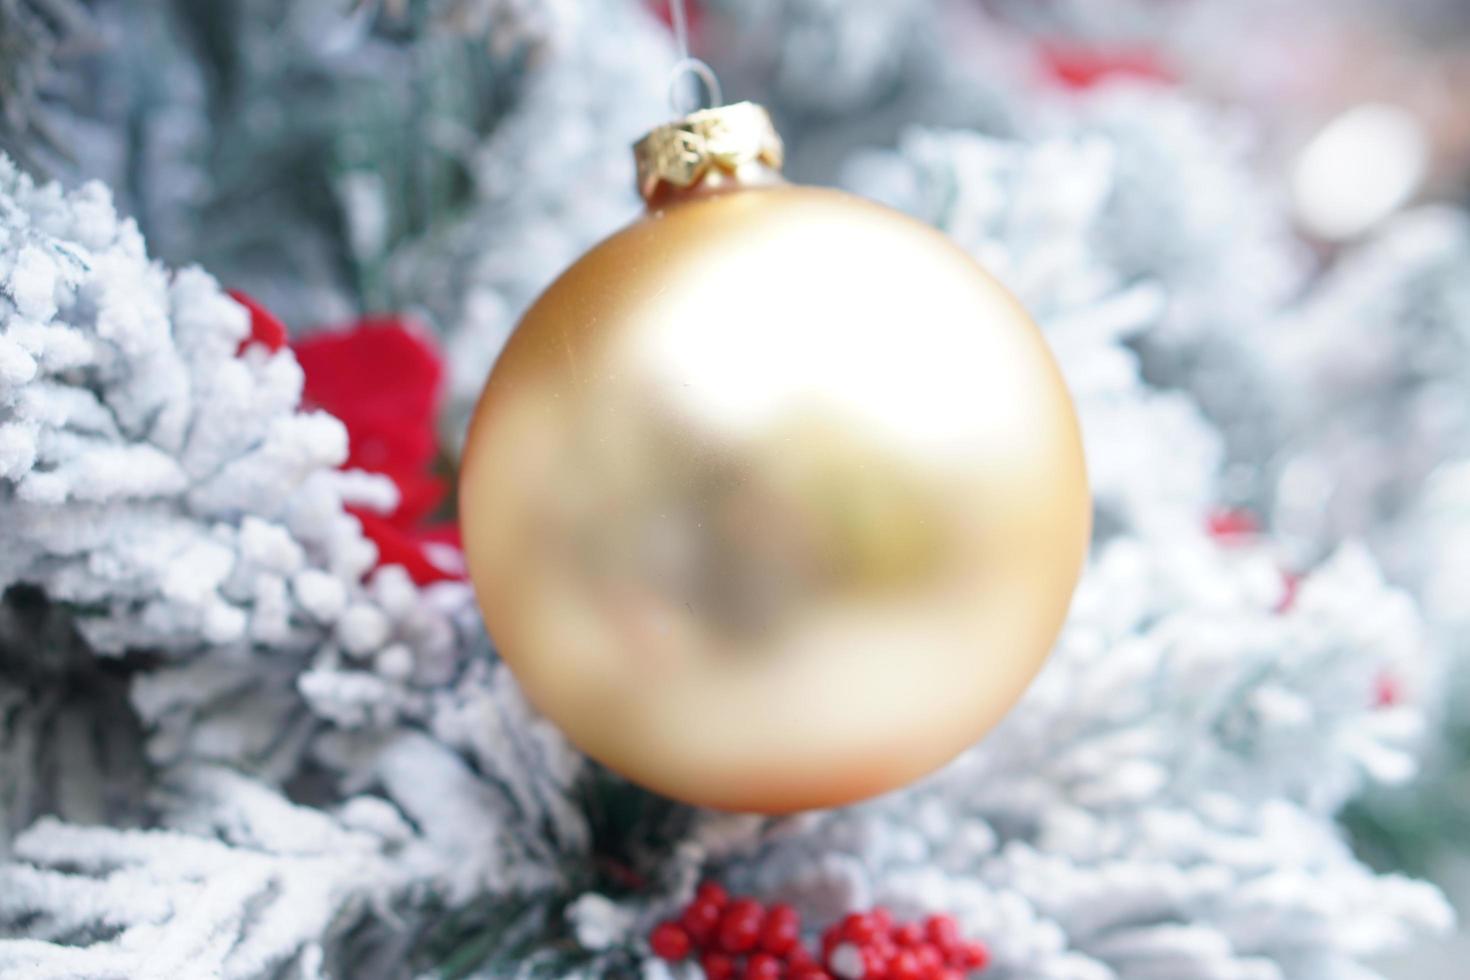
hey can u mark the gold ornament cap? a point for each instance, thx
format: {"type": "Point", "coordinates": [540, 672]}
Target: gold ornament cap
{"type": "Point", "coordinates": [726, 144]}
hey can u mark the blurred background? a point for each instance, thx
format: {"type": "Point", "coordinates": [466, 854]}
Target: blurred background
{"type": "Point", "coordinates": [1295, 170]}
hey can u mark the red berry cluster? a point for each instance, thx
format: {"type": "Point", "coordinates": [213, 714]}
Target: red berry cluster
{"type": "Point", "coordinates": [871, 946]}
{"type": "Point", "coordinates": [741, 939]}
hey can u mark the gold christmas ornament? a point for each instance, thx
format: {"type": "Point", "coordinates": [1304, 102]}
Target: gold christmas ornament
{"type": "Point", "coordinates": [775, 499]}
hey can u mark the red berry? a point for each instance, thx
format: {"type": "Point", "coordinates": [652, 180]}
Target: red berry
{"type": "Point", "coordinates": [1387, 690]}
{"type": "Point", "coordinates": [700, 920]}
{"type": "Point", "coordinates": [713, 893]}
{"type": "Point", "coordinates": [908, 934]}
{"type": "Point", "coordinates": [1232, 525]}
{"type": "Point", "coordinates": [929, 958]}
{"type": "Point", "coordinates": [670, 941]}
{"type": "Point", "coordinates": [904, 966]}
{"type": "Point", "coordinates": [945, 973]}
{"type": "Point", "coordinates": [799, 955]}
{"type": "Point", "coordinates": [740, 926]}
{"type": "Point", "coordinates": [858, 928]}
{"type": "Point", "coordinates": [971, 956]}
{"type": "Point", "coordinates": [1291, 584]}
{"type": "Point", "coordinates": [943, 932]}
{"type": "Point", "coordinates": [1081, 66]}
{"type": "Point", "coordinates": [875, 964]}
{"type": "Point", "coordinates": [717, 965]}
{"type": "Point", "coordinates": [762, 966]}
{"type": "Point", "coordinates": [781, 932]}
{"type": "Point", "coordinates": [809, 971]}
{"type": "Point", "coordinates": [882, 918]}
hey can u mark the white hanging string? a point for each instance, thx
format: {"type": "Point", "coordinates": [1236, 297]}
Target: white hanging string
{"type": "Point", "coordinates": [680, 17]}
{"type": "Point", "coordinates": [690, 68]}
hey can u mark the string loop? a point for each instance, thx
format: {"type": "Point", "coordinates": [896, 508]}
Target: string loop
{"type": "Point", "coordinates": [691, 67]}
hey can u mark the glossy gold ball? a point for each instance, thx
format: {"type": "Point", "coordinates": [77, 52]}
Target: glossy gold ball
{"type": "Point", "coordinates": [774, 500]}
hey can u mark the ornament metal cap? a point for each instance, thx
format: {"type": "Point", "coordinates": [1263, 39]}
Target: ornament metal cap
{"type": "Point", "coordinates": [720, 142]}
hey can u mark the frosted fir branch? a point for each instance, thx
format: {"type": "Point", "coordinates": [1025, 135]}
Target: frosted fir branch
{"type": "Point", "coordinates": [825, 57]}
{"type": "Point", "coordinates": [1192, 211]}
{"type": "Point", "coordinates": [1376, 360]}
{"type": "Point", "coordinates": [480, 840]}
{"type": "Point", "coordinates": [1372, 365]}
{"type": "Point", "coordinates": [161, 482]}
{"type": "Point", "coordinates": [69, 743]}
{"type": "Point", "coordinates": [1436, 533]}
{"type": "Point", "coordinates": [168, 492]}
{"type": "Point", "coordinates": [240, 884]}
{"type": "Point", "coordinates": [1227, 255]}
{"type": "Point", "coordinates": [553, 178]}
{"type": "Point", "coordinates": [1032, 213]}
{"type": "Point", "coordinates": [299, 208]}
{"type": "Point", "coordinates": [1073, 207]}
{"type": "Point", "coordinates": [33, 34]}
{"type": "Point", "coordinates": [1187, 637]}
{"type": "Point", "coordinates": [236, 881]}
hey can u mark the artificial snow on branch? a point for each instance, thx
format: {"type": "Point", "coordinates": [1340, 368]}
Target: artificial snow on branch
{"type": "Point", "coordinates": [161, 483]}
